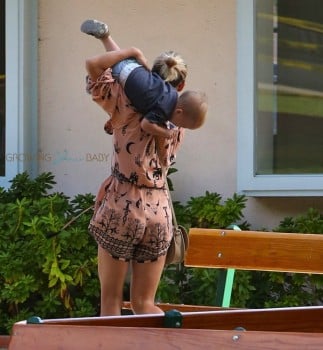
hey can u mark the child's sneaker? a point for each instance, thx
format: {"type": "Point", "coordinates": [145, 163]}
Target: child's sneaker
{"type": "Point", "coordinates": [96, 28]}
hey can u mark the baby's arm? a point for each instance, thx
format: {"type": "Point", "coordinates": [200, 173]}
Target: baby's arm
{"type": "Point", "coordinates": [96, 65]}
{"type": "Point", "coordinates": [155, 129]}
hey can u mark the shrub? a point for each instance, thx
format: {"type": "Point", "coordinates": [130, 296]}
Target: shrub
{"type": "Point", "coordinates": [45, 271]}
{"type": "Point", "coordinates": [290, 289]}
{"type": "Point", "coordinates": [50, 270]}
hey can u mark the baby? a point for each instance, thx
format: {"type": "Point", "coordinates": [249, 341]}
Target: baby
{"type": "Point", "coordinates": [156, 99]}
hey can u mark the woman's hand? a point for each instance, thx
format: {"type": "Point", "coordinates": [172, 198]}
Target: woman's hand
{"type": "Point", "coordinates": [139, 56]}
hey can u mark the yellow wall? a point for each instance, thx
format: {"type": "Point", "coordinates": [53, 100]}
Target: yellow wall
{"type": "Point", "coordinates": [71, 124]}
{"type": "Point", "coordinates": [71, 133]}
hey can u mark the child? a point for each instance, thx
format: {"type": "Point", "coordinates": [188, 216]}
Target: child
{"type": "Point", "coordinates": [148, 93]}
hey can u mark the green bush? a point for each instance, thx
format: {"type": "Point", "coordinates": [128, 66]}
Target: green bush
{"type": "Point", "coordinates": [45, 271]}
{"type": "Point", "coordinates": [290, 289]}
{"type": "Point", "coordinates": [51, 271]}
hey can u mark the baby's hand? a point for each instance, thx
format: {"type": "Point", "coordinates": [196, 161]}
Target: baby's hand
{"type": "Point", "coordinates": [108, 128]}
{"type": "Point", "coordinates": [171, 133]}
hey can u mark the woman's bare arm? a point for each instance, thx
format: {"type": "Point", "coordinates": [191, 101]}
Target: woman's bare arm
{"type": "Point", "coordinates": [96, 65]}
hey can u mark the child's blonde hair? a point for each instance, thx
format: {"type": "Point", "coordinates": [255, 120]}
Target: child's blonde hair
{"type": "Point", "coordinates": [171, 67]}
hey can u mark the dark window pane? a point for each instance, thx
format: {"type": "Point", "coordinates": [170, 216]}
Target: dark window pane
{"type": "Point", "coordinates": [289, 74]}
{"type": "Point", "coordinates": [2, 89]}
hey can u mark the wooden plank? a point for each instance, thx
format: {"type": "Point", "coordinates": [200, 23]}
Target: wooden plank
{"type": "Point", "coordinates": [53, 337]}
{"type": "Point", "coordinates": [298, 319]}
{"type": "Point", "coordinates": [179, 307]}
{"type": "Point", "coordinates": [254, 250]}
{"type": "Point", "coordinates": [4, 341]}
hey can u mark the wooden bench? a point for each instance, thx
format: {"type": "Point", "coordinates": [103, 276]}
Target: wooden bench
{"type": "Point", "coordinates": [221, 329]}
{"type": "Point", "coordinates": [252, 250]}
{"type": "Point", "coordinates": [195, 327]}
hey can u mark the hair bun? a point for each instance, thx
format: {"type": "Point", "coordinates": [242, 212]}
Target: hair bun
{"type": "Point", "coordinates": [171, 67]}
{"type": "Point", "coordinates": [171, 62]}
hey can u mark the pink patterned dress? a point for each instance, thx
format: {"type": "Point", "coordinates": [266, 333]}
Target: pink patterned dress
{"type": "Point", "coordinates": [132, 218]}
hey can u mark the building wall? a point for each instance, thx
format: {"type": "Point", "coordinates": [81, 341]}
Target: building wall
{"type": "Point", "coordinates": [72, 141]}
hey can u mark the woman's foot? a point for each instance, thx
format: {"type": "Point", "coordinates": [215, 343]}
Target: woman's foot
{"type": "Point", "coordinates": [95, 28]}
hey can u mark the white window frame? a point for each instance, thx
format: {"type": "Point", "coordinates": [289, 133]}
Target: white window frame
{"type": "Point", "coordinates": [21, 89]}
{"type": "Point", "coordinates": [248, 182]}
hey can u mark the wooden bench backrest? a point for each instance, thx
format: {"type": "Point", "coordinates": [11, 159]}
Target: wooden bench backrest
{"type": "Point", "coordinates": [254, 250]}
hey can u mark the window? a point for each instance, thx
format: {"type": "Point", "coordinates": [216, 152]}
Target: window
{"type": "Point", "coordinates": [2, 89]}
{"type": "Point", "coordinates": [18, 108]}
{"type": "Point", "coordinates": [280, 97]}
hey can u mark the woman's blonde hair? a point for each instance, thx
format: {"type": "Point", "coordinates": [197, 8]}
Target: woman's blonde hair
{"type": "Point", "coordinates": [171, 67]}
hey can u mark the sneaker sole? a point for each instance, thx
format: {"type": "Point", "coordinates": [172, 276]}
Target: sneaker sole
{"type": "Point", "coordinates": [95, 28]}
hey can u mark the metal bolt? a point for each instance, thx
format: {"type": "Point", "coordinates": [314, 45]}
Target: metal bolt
{"type": "Point", "coordinates": [219, 255]}
{"type": "Point", "coordinates": [236, 337]}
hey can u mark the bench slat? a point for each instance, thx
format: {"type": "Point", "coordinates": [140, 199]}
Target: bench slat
{"type": "Point", "coordinates": [119, 338]}
{"type": "Point", "coordinates": [255, 250]}
{"type": "Point", "coordinates": [297, 319]}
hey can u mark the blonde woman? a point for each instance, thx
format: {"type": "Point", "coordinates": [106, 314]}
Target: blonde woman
{"type": "Point", "coordinates": [132, 221]}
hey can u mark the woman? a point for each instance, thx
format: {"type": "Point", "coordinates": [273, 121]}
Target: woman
{"type": "Point", "coordinates": [132, 221]}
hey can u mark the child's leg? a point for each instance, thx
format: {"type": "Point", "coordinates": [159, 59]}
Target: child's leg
{"type": "Point", "coordinates": [100, 31]}
{"type": "Point", "coordinates": [109, 44]}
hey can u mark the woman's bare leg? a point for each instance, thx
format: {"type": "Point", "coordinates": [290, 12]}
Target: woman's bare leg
{"type": "Point", "coordinates": [112, 274]}
{"type": "Point", "coordinates": [144, 284]}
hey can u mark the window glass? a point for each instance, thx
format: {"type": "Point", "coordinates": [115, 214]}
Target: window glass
{"type": "Point", "coordinates": [2, 89]}
{"type": "Point", "coordinates": [289, 88]}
